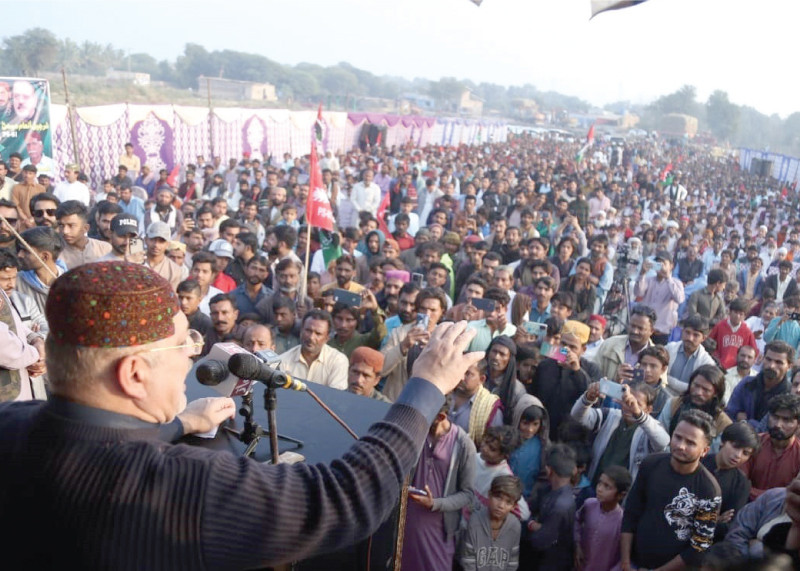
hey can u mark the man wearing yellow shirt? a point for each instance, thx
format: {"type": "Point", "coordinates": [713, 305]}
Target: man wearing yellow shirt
{"type": "Point", "coordinates": [345, 270]}
{"type": "Point", "coordinates": [131, 161]}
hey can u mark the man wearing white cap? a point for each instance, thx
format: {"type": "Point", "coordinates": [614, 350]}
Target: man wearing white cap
{"type": "Point", "coordinates": [158, 237]}
{"type": "Point", "coordinates": [223, 251]}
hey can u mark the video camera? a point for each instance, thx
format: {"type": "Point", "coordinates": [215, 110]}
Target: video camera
{"type": "Point", "coordinates": [624, 257]}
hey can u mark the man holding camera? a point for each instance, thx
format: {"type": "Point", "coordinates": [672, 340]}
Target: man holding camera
{"type": "Point", "coordinates": [663, 293]}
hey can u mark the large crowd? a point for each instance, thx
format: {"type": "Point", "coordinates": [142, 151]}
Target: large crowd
{"type": "Point", "coordinates": [639, 401]}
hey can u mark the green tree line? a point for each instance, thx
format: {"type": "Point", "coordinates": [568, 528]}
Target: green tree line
{"type": "Point", "coordinates": [38, 50]}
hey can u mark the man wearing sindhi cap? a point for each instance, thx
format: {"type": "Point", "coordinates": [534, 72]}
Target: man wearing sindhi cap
{"type": "Point", "coordinates": [94, 470]}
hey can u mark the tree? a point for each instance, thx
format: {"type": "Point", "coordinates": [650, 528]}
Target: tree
{"type": "Point", "coordinates": [446, 92]}
{"type": "Point", "coordinates": [338, 81]}
{"type": "Point", "coordinates": [722, 115]}
{"type": "Point", "coordinates": [194, 62]}
{"type": "Point", "coordinates": [34, 51]}
{"type": "Point", "coordinates": [301, 85]}
{"type": "Point", "coordinates": [681, 101]}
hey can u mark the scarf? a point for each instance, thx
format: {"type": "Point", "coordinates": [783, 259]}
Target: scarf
{"type": "Point", "coordinates": [170, 219]}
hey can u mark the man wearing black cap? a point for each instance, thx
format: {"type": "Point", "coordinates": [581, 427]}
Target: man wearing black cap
{"type": "Point", "coordinates": [120, 351]}
{"type": "Point", "coordinates": [125, 242]}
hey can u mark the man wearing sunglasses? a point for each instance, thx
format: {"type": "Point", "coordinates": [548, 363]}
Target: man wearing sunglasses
{"type": "Point", "coordinates": [92, 465]}
{"type": "Point", "coordinates": [43, 208]}
{"type": "Point", "coordinates": [8, 210]}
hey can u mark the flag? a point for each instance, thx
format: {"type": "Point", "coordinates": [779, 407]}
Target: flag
{"type": "Point", "coordinates": [382, 213]}
{"type": "Point", "coordinates": [319, 131]}
{"type": "Point", "coordinates": [589, 143]}
{"type": "Point", "coordinates": [331, 249]}
{"type": "Point", "coordinates": [606, 5]}
{"type": "Point", "coordinates": [172, 179]}
{"type": "Point", "coordinates": [318, 207]}
{"type": "Point", "coordinates": [665, 172]}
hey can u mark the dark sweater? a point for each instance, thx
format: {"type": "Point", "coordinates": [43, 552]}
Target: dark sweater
{"type": "Point", "coordinates": [559, 387]}
{"type": "Point", "coordinates": [670, 514]}
{"type": "Point", "coordinates": [106, 493]}
{"type": "Point", "coordinates": [735, 489]}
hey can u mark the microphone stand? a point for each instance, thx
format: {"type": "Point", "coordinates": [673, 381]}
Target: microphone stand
{"type": "Point", "coordinates": [252, 432]}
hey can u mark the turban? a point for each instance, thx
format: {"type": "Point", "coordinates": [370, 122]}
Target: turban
{"type": "Point", "coordinates": [578, 329]}
{"type": "Point", "coordinates": [371, 357]}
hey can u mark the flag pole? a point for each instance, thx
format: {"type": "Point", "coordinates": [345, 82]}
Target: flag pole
{"type": "Point", "coordinates": [304, 281]}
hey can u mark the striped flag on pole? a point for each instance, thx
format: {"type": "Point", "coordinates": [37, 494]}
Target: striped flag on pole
{"type": "Point", "coordinates": [589, 143]}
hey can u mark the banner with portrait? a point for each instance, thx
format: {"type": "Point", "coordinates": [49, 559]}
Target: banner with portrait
{"type": "Point", "coordinates": [25, 122]}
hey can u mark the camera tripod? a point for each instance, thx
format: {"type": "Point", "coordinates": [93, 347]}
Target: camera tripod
{"type": "Point", "coordinates": [617, 305]}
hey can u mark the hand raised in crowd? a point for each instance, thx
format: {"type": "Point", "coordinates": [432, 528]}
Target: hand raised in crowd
{"type": "Point", "coordinates": [368, 301]}
{"type": "Point", "coordinates": [443, 361]}
{"type": "Point", "coordinates": [187, 225]}
{"type": "Point", "coordinates": [415, 335]}
{"type": "Point", "coordinates": [206, 414]}
{"type": "Point", "coordinates": [629, 403]}
{"type": "Point", "coordinates": [470, 312]}
{"type": "Point", "coordinates": [572, 361]}
{"type": "Point", "coordinates": [624, 373]}
{"type": "Point", "coordinates": [593, 392]}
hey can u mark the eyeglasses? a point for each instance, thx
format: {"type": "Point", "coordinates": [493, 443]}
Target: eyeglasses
{"type": "Point", "coordinates": [193, 345]}
{"type": "Point", "coordinates": [11, 221]}
{"type": "Point", "coordinates": [48, 211]}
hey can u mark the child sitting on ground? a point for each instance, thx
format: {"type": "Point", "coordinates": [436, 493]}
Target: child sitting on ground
{"type": "Point", "coordinates": [491, 542]}
{"type": "Point", "coordinates": [598, 523]}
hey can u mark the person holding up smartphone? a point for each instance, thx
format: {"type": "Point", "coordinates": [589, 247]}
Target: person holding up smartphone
{"type": "Point", "coordinates": [625, 435]}
{"type": "Point", "coordinates": [407, 341]}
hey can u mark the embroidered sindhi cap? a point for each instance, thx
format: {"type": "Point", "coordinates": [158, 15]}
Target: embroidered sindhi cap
{"type": "Point", "coordinates": [111, 304]}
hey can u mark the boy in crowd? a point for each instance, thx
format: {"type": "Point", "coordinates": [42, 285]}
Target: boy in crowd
{"type": "Point", "coordinates": [550, 533]}
{"type": "Point", "coordinates": [190, 297]}
{"type": "Point", "coordinates": [492, 539]}
{"type": "Point", "coordinates": [598, 523]}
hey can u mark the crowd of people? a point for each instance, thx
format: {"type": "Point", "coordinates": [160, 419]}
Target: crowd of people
{"type": "Point", "coordinates": [638, 404]}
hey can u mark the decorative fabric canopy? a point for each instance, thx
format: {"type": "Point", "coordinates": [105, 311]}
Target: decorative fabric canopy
{"type": "Point", "coordinates": [168, 135]}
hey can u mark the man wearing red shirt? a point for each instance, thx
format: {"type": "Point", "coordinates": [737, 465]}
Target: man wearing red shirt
{"type": "Point", "coordinates": [731, 333]}
{"type": "Point", "coordinates": [776, 464]}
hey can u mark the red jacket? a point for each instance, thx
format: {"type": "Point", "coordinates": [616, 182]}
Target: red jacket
{"type": "Point", "coordinates": [728, 341]}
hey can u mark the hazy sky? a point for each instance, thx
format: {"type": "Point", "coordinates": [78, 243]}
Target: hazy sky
{"type": "Point", "coordinates": [637, 54]}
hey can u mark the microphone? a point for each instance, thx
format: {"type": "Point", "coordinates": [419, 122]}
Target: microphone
{"type": "Point", "coordinates": [212, 372]}
{"type": "Point", "coordinates": [248, 366]}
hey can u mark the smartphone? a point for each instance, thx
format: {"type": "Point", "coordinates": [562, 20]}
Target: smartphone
{"type": "Point", "coordinates": [348, 298]}
{"type": "Point", "coordinates": [483, 304]}
{"type": "Point", "coordinates": [417, 491]}
{"type": "Point", "coordinates": [656, 266]}
{"type": "Point", "coordinates": [534, 328]}
{"type": "Point", "coordinates": [611, 389]}
{"type": "Point", "coordinates": [638, 375]}
{"type": "Point", "coordinates": [418, 280]}
{"type": "Point", "coordinates": [135, 246]}
{"type": "Point", "coordinates": [559, 354]}
{"type": "Point", "coordinates": [423, 320]}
